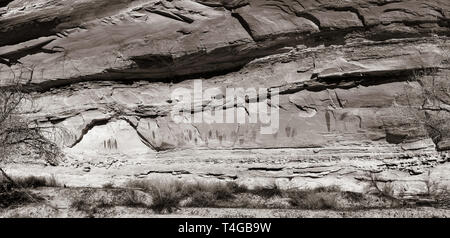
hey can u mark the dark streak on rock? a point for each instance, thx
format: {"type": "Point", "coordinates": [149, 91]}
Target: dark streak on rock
{"type": "Point", "coordinates": [244, 24]}
{"type": "Point", "coordinates": [265, 169]}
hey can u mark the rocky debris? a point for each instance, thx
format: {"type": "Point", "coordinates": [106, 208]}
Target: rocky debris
{"type": "Point", "coordinates": [416, 171]}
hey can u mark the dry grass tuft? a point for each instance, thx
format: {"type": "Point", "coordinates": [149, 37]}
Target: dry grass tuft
{"type": "Point", "coordinates": [314, 199]}
{"type": "Point", "coordinates": [30, 182]}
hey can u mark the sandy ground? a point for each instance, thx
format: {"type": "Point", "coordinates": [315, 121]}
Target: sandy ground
{"type": "Point", "coordinates": [37, 211]}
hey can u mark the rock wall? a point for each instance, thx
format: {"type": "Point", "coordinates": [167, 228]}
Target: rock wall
{"type": "Point", "coordinates": [349, 75]}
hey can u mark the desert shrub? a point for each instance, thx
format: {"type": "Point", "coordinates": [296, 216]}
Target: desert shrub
{"type": "Point", "coordinates": [267, 192]}
{"type": "Point", "coordinates": [433, 187]}
{"type": "Point", "coordinates": [138, 184]}
{"type": "Point", "coordinates": [443, 199]}
{"type": "Point", "coordinates": [165, 199]}
{"type": "Point", "coordinates": [353, 196]}
{"type": "Point", "coordinates": [147, 185]}
{"type": "Point", "coordinates": [313, 200]}
{"type": "Point", "coordinates": [237, 188]}
{"type": "Point", "coordinates": [90, 203]}
{"type": "Point", "coordinates": [327, 189]}
{"type": "Point", "coordinates": [225, 194]}
{"type": "Point", "coordinates": [202, 199]}
{"type": "Point", "coordinates": [104, 203]}
{"type": "Point", "coordinates": [81, 205]}
{"type": "Point", "coordinates": [438, 193]}
{"type": "Point", "coordinates": [168, 194]}
{"type": "Point", "coordinates": [388, 190]}
{"type": "Point", "coordinates": [384, 189]}
{"type": "Point", "coordinates": [132, 199]}
{"type": "Point", "coordinates": [211, 194]}
{"type": "Point", "coordinates": [36, 181]}
{"type": "Point", "coordinates": [318, 198]}
{"type": "Point", "coordinates": [5, 186]}
{"type": "Point", "coordinates": [219, 191]}
{"type": "Point", "coordinates": [31, 182]}
{"type": "Point", "coordinates": [16, 198]}
{"type": "Point", "coordinates": [16, 192]}
{"type": "Point", "coordinates": [108, 185]}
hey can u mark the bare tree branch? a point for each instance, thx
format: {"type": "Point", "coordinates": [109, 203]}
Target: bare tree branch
{"type": "Point", "coordinates": [17, 132]}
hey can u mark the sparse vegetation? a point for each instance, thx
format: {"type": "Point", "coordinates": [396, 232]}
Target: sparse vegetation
{"type": "Point", "coordinates": [202, 199]}
{"type": "Point", "coordinates": [17, 197]}
{"type": "Point", "coordinates": [91, 202]}
{"type": "Point", "coordinates": [314, 199]}
{"type": "Point", "coordinates": [37, 181]}
{"type": "Point", "coordinates": [164, 199]}
{"type": "Point", "coordinates": [436, 192]}
{"type": "Point", "coordinates": [12, 194]}
{"type": "Point", "coordinates": [132, 199]}
{"type": "Point", "coordinates": [353, 196]}
{"type": "Point", "coordinates": [382, 189]}
{"type": "Point", "coordinates": [267, 192]}
{"type": "Point", "coordinates": [167, 196]}
{"type": "Point", "coordinates": [108, 185]}
{"type": "Point", "coordinates": [434, 189]}
{"type": "Point", "coordinates": [81, 205]}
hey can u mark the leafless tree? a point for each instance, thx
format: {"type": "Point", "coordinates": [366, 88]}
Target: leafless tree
{"type": "Point", "coordinates": [18, 133]}
{"type": "Point", "coordinates": [428, 104]}
{"type": "Point", "coordinates": [377, 186]}
{"type": "Point", "coordinates": [431, 111]}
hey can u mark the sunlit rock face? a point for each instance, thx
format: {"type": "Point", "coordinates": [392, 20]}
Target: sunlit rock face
{"type": "Point", "coordinates": [348, 77]}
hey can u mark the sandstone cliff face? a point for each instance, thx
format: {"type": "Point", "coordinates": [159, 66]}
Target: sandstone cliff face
{"type": "Point", "coordinates": [350, 76]}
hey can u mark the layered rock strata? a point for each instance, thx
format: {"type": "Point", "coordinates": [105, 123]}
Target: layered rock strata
{"type": "Point", "coordinates": [353, 80]}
